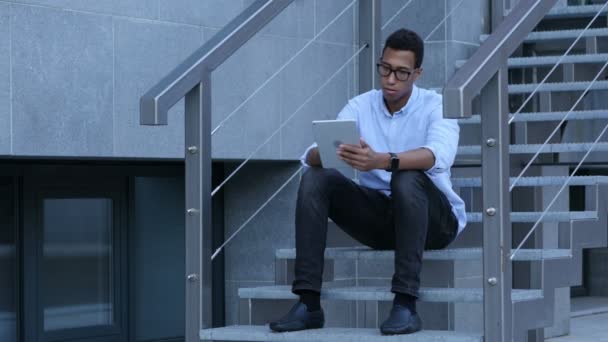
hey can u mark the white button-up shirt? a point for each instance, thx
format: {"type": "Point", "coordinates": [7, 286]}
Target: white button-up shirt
{"type": "Point", "coordinates": [419, 124]}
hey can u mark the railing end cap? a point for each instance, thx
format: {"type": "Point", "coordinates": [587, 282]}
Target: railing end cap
{"type": "Point", "coordinates": [150, 113]}
{"type": "Point", "coordinates": [454, 106]}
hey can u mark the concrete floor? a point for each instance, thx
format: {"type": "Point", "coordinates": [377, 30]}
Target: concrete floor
{"type": "Point", "coordinates": [591, 328]}
{"type": "Point", "coordinates": [589, 322]}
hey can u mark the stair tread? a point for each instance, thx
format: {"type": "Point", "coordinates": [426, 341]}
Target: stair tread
{"type": "Point", "coordinates": [263, 333]}
{"type": "Point", "coordinates": [557, 86]}
{"type": "Point", "coordinates": [533, 148]}
{"type": "Point", "coordinates": [536, 181]}
{"type": "Point", "coordinates": [574, 11]}
{"type": "Point", "coordinates": [383, 293]}
{"type": "Point", "coordinates": [474, 253]}
{"type": "Point", "coordinates": [564, 34]}
{"type": "Point", "coordinates": [552, 60]}
{"type": "Point", "coordinates": [546, 116]}
{"type": "Point", "coordinates": [537, 36]}
{"type": "Point", "coordinates": [533, 216]}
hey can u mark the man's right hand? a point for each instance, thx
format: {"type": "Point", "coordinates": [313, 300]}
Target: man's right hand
{"type": "Point", "coordinates": [313, 158]}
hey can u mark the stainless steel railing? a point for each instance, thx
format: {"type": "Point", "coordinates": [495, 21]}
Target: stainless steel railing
{"type": "Point", "coordinates": [557, 128]}
{"type": "Point", "coordinates": [485, 74]}
{"type": "Point", "coordinates": [192, 80]}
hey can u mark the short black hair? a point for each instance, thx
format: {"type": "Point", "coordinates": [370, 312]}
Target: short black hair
{"type": "Point", "coordinates": [404, 39]}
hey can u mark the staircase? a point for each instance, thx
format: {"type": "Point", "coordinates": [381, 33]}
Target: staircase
{"type": "Point", "coordinates": [560, 266]}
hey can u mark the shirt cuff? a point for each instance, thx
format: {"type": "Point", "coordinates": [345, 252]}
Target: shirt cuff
{"type": "Point", "coordinates": [303, 157]}
{"type": "Point", "coordinates": [435, 167]}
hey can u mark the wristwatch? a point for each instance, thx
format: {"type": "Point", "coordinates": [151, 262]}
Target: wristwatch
{"type": "Point", "coordinates": [394, 164]}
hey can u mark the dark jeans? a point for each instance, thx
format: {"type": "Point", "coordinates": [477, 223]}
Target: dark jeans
{"type": "Point", "coordinates": [416, 217]}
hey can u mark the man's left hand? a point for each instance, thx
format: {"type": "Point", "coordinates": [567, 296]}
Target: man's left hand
{"type": "Point", "coordinates": [362, 158]}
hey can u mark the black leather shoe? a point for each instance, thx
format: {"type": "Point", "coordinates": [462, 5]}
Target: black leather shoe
{"type": "Point", "coordinates": [298, 318]}
{"type": "Point", "coordinates": [401, 321]}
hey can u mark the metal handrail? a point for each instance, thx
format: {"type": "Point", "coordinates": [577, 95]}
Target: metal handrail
{"type": "Point", "coordinates": [155, 103]}
{"type": "Point", "coordinates": [559, 61]}
{"type": "Point", "coordinates": [546, 210]}
{"type": "Point", "coordinates": [469, 80]}
{"type": "Point", "coordinates": [557, 127]}
{"type": "Point", "coordinates": [191, 80]}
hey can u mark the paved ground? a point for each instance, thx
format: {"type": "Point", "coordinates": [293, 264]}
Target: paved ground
{"type": "Point", "coordinates": [591, 328]}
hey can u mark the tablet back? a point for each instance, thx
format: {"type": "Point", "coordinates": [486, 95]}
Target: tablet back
{"type": "Point", "coordinates": [329, 134]}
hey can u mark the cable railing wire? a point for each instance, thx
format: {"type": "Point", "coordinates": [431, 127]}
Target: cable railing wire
{"type": "Point", "coordinates": [443, 20]}
{"type": "Point", "coordinates": [396, 14]}
{"type": "Point", "coordinates": [557, 128]}
{"type": "Point", "coordinates": [219, 249]}
{"type": "Point", "coordinates": [309, 98]}
{"type": "Point", "coordinates": [221, 124]}
{"type": "Point", "coordinates": [287, 120]}
{"type": "Point", "coordinates": [235, 171]}
{"type": "Point", "coordinates": [557, 63]}
{"type": "Point", "coordinates": [558, 193]}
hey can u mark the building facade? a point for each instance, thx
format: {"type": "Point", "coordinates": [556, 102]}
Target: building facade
{"type": "Point", "coordinates": [92, 202]}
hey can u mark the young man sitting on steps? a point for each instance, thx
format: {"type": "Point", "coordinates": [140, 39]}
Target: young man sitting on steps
{"type": "Point", "coordinates": [404, 200]}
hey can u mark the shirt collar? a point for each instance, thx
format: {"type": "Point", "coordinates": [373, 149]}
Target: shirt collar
{"type": "Point", "coordinates": [411, 102]}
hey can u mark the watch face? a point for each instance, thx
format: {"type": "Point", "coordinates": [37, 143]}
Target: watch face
{"type": "Point", "coordinates": [394, 163]}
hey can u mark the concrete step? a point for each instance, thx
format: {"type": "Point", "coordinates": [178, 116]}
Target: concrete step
{"type": "Point", "coordinates": [263, 333]}
{"type": "Point", "coordinates": [575, 11]}
{"type": "Point", "coordinates": [538, 36]}
{"type": "Point", "coordinates": [529, 62]}
{"type": "Point", "coordinates": [533, 148]}
{"type": "Point", "coordinates": [377, 293]}
{"type": "Point", "coordinates": [533, 216]}
{"type": "Point", "coordinates": [360, 253]}
{"type": "Point", "coordinates": [523, 62]}
{"type": "Point", "coordinates": [536, 181]}
{"type": "Point", "coordinates": [557, 86]}
{"type": "Point", "coordinates": [545, 116]}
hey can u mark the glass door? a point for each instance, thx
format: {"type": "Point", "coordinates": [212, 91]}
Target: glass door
{"type": "Point", "coordinates": [76, 255]}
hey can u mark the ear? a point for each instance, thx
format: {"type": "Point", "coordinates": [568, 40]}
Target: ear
{"type": "Point", "coordinates": [417, 74]}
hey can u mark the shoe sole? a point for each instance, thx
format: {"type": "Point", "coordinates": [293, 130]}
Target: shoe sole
{"type": "Point", "coordinates": [315, 324]}
{"type": "Point", "coordinates": [401, 332]}
{"type": "Point", "coordinates": [409, 330]}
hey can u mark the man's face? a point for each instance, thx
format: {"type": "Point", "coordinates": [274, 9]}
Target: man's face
{"type": "Point", "coordinates": [397, 88]}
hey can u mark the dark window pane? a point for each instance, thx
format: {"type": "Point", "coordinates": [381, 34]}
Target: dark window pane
{"type": "Point", "coordinates": [158, 270]}
{"type": "Point", "coordinates": [76, 270]}
{"type": "Point", "coordinates": [8, 266]}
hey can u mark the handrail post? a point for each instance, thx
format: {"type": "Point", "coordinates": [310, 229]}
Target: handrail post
{"type": "Point", "coordinates": [198, 213]}
{"type": "Point", "coordinates": [496, 205]}
{"type": "Point", "coordinates": [370, 34]}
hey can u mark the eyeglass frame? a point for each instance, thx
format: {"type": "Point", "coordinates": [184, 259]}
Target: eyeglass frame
{"type": "Point", "coordinates": [380, 64]}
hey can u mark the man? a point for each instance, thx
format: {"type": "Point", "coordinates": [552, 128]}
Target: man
{"type": "Point", "coordinates": [405, 199]}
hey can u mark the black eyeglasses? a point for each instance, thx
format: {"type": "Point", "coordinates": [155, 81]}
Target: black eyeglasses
{"type": "Point", "coordinates": [400, 74]}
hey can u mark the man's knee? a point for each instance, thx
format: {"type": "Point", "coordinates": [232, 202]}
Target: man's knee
{"type": "Point", "coordinates": [318, 179]}
{"type": "Point", "coordinates": [407, 182]}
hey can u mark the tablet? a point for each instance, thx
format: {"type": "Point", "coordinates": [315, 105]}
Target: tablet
{"type": "Point", "coordinates": [329, 134]}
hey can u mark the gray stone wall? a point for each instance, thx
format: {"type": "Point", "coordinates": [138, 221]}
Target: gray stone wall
{"type": "Point", "coordinates": [72, 72]}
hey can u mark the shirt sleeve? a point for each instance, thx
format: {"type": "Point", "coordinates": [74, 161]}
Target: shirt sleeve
{"type": "Point", "coordinates": [442, 140]}
{"type": "Point", "coordinates": [348, 112]}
